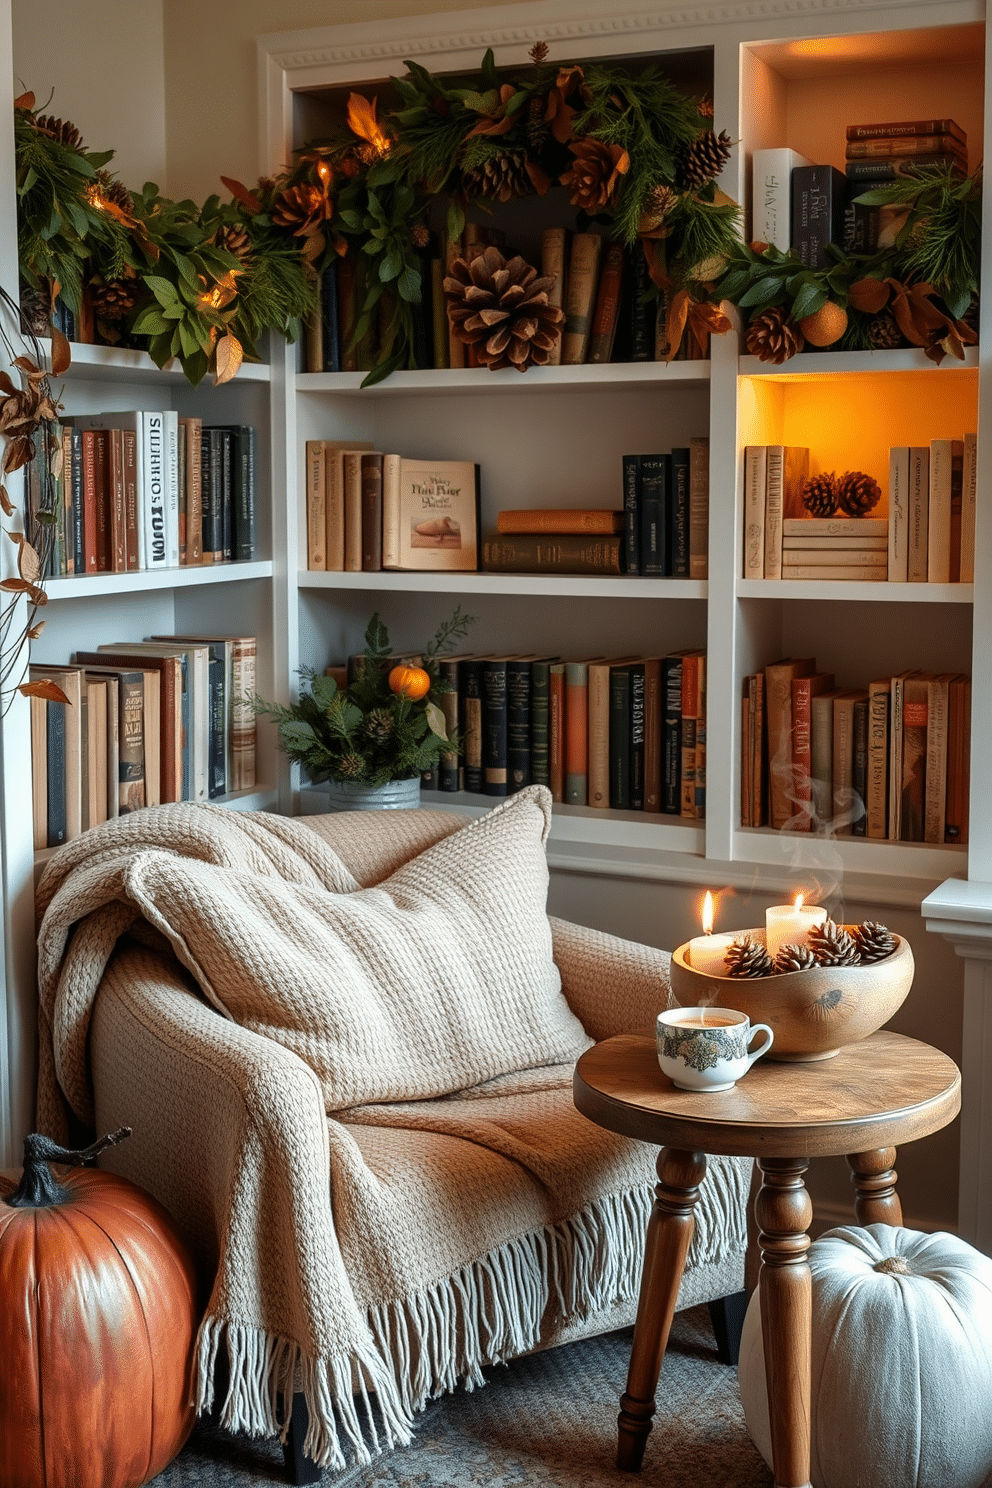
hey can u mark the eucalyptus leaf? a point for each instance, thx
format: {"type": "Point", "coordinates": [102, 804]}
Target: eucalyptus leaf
{"type": "Point", "coordinates": [409, 286]}
{"type": "Point", "coordinates": [811, 297]}
{"type": "Point", "coordinates": [763, 291]}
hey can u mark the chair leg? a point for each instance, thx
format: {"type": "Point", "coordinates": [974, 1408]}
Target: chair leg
{"type": "Point", "coordinates": [727, 1317]}
{"type": "Point", "coordinates": [300, 1468]}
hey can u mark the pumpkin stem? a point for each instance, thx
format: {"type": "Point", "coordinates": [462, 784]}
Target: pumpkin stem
{"type": "Point", "coordinates": [38, 1188]}
{"type": "Point", "coordinates": [892, 1266]}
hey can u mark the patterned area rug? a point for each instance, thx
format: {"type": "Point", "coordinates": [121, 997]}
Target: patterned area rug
{"type": "Point", "coordinates": [548, 1421]}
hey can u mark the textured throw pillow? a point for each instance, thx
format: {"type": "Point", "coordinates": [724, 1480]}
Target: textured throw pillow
{"type": "Point", "coordinates": [436, 979]}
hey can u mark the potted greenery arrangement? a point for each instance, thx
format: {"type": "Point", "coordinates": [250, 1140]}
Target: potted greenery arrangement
{"type": "Point", "coordinates": [373, 739]}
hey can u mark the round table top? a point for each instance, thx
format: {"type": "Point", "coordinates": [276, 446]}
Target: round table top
{"type": "Point", "coordinates": [880, 1092]}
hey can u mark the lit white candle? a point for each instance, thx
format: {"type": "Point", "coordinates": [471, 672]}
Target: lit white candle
{"type": "Point", "coordinates": [790, 924]}
{"type": "Point", "coordinates": [706, 951]}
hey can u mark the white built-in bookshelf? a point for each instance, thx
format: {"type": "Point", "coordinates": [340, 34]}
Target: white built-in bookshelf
{"type": "Point", "coordinates": [780, 74]}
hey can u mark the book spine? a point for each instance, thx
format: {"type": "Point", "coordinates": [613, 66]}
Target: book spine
{"type": "Point", "coordinates": [242, 714]}
{"type": "Point", "coordinates": [552, 554]}
{"type": "Point", "coordinates": [217, 732]}
{"type": "Point", "coordinates": [690, 688]}
{"type": "Point", "coordinates": [632, 514]}
{"type": "Point", "coordinates": [895, 757]}
{"type": "Point", "coordinates": [900, 146]}
{"type": "Point", "coordinates": [914, 759]}
{"type": "Point", "coordinates": [898, 534]}
{"type": "Point", "coordinates": [969, 500]}
{"type": "Point", "coordinates": [313, 333]}
{"type": "Point", "coordinates": [843, 766]}
{"type": "Point", "coordinates": [699, 793]}
{"type": "Point", "coordinates": [598, 735]}
{"type": "Point", "coordinates": [771, 195]}
{"type": "Point", "coordinates": [182, 493]}
{"type": "Point", "coordinates": [371, 512]}
{"type": "Point", "coordinates": [637, 741]}
{"type": "Point", "coordinates": [449, 774]}
{"type": "Point", "coordinates": [470, 721]}
{"type": "Point", "coordinates": [643, 315]}
{"type": "Point", "coordinates": [680, 465]}
{"type": "Point", "coordinates": [802, 756]}
{"type": "Point", "coordinates": [170, 423]}
{"type": "Point", "coordinates": [620, 736]}
{"type": "Point", "coordinates": [153, 495]}
{"type": "Point", "coordinates": [919, 514]}
{"type": "Point", "coordinates": [671, 736]}
{"type": "Point", "coordinates": [75, 476]}
{"type": "Point", "coordinates": [653, 717]}
{"type": "Point", "coordinates": [859, 776]}
{"type": "Point", "coordinates": [935, 790]}
{"type": "Point", "coordinates": [118, 519]}
{"type": "Point", "coordinates": [347, 311]}
{"type": "Point", "coordinates": [758, 750]}
{"type": "Point", "coordinates": [821, 767]}
{"type": "Point", "coordinates": [39, 771]}
{"type": "Point", "coordinates": [132, 743]}
{"type": "Point", "coordinates": [580, 294]}
{"type": "Point", "coordinates": [55, 755]}
{"type": "Point", "coordinates": [747, 745]}
{"type": "Point", "coordinates": [654, 503]}
{"type": "Point", "coordinates": [864, 172]}
{"type": "Point", "coordinates": [556, 731]}
{"type": "Point", "coordinates": [871, 574]}
{"type": "Point", "coordinates": [755, 479]}
{"type": "Point", "coordinates": [392, 473]}
{"type": "Point", "coordinates": [331, 330]}
{"type": "Point", "coordinates": [540, 723]}
{"type": "Point", "coordinates": [877, 787]}
{"type": "Point", "coordinates": [903, 128]}
{"type": "Point", "coordinates": [495, 776]}
{"type": "Point", "coordinates": [244, 510]}
{"type": "Point", "coordinates": [774, 498]}
{"type": "Point", "coordinates": [939, 512]}
{"type": "Point", "coordinates": [518, 723]}
{"type": "Point", "coordinates": [604, 321]}
{"type": "Point", "coordinates": [568, 520]}
{"type": "Point", "coordinates": [554, 256]}
{"type": "Point", "coordinates": [957, 504]}
{"type": "Point", "coordinates": [90, 547]}
{"type": "Point", "coordinates": [699, 506]}
{"type": "Point", "coordinates": [103, 500]}
{"type": "Point", "coordinates": [575, 702]}
{"type": "Point", "coordinates": [958, 760]}
{"type": "Point", "coordinates": [227, 496]}
{"type": "Point", "coordinates": [352, 486]}
{"type": "Point", "coordinates": [861, 226]}
{"type": "Point", "coordinates": [456, 348]}
{"type": "Point", "coordinates": [818, 194]}
{"type": "Point", "coordinates": [316, 507]}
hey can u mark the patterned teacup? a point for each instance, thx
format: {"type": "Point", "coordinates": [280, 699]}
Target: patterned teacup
{"type": "Point", "coordinates": [708, 1048]}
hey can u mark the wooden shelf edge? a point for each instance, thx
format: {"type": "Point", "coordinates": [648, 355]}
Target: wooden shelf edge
{"type": "Point", "coordinates": [815, 364]}
{"type": "Point", "coordinates": [609, 586]}
{"type": "Point", "coordinates": [85, 586]}
{"type": "Point", "coordinates": [480, 380]}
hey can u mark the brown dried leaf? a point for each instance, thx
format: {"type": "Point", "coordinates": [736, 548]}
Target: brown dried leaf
{"type": "Point", "coordinates": [46, 689]}
{"type": "Point", "coordinates": [34, 631]}
{"type": "Point", "coordinates": [18, 452]}
{"type": "Point", "coordinates": [25, 101]}
{"type": "Point", "coordinates": [28, 562]}
{"type": "Point", "coordinates": [435, 721]}
{"type": "Point", "coordinates": [6, 386]}
{"type": "Point", "coordinates": [241, 194]}
{"type": "Point", "coordinates": [229, 358]}
{"type": "Point", "coordinates": [15, 586]}
{"type": "Point", "coordinates": [5, 501]}
{"type": "Point", "coordinates": [31, 369]}
{"type": "Point", "coordinates": [869, 295]}
{"type": "Point", "coordinates": [37, 596]}
{"type": "Point", "coordinates": [61, 354]}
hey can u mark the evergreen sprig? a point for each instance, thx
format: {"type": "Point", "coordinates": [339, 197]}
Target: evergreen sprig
{"type": "Point", "coordinates": [940, 240]}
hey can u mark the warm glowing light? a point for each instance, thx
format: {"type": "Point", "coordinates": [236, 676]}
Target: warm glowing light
{"type": "Point", "coordinates": [324, 172]}
{"type": "Point", "coordinates": [95, 198]}
{"type": "Point", "coordinates": [799, 903]}
{"type": "Point", "coordinates": [708, 914]}
{"type": "Point", "coordinates": [362, 121]}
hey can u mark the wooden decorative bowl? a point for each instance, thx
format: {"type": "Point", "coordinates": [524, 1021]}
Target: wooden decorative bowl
{"type": "Point", "coordinates": [813, 1013]}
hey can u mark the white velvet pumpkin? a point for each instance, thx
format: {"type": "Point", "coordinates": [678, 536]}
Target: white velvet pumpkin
{"type": "Point", "coordinates": [901, 1362]}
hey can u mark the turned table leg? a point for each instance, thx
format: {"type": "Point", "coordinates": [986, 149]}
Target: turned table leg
{"type": "Point", "coordinates": [874, 1179]}
{"type": "Point", "coordinates": [784, 1212]}
{"type": "Point", "coordinates": [669, 1232]}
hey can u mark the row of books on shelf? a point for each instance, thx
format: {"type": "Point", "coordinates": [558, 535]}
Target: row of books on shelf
{"type": "Point", "coordinates": [147, 722]}
{"type": "Point", "coordinates": [803, 206]}
{"type": "Point", "coordinates": [928, 535]}
{"type": "Point", "coordinates": [890, 761]}
{"type": "Point", "coordinates": [602, 286]}
{"type": "Point", "coordinates": [143, 490]}
{"type": "Point", "coordinates": [367, 511]}
{"type": "Point", "coordinates": [622, 733]}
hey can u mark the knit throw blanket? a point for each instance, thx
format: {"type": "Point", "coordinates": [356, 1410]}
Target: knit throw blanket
{"type": "Point", "coordinates": [465, 1200]}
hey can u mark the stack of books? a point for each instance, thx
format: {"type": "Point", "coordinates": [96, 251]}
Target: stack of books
{"type": "Point", "coordinates": [146, 490]}
{"type": "Point", "coordinates": [932, 499]}
{"type": "Point", "coordinates": [620, 733]}
{"type": "Point", "coordinates": [890, 761]}
{"type": "Point", "coordinates": [167, 719]}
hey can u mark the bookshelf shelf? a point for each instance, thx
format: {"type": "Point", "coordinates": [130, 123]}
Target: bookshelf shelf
{"type": "Point", "coordinates": [827, 364]}
{"type": "Point", "coordinates": [87, 586]}
{"type": "Point", "coordinates": [826, 856]}
{"type": "Point", "coordinates": [115, 364]}
{"type": "Point", "coordinates": [560, 586]}
{"type": "Point", "coordinates": [474, 380]}
{"type": "Point", "coordinates": [851, 590]}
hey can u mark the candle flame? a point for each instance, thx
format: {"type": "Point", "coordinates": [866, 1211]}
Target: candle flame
{"type": "Point", "coordinates": [799, 903]}
{"type": "Point", "coordinates": [708, 914]}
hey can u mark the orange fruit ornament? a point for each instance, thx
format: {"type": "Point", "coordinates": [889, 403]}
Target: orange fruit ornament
{"type": "Point", "coordinates": [824, 326]}
{"type": "Point", "coordinates": [409, 682]}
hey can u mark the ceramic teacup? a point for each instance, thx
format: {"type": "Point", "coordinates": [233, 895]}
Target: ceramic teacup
{"type": "Point", "coordinates": [708, 1048]}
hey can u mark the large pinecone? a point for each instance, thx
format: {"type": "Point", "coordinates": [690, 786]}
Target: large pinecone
{"type": "Point", "coordinates": [115, 191]}
{"type": "Point", "coordinates": [301, 208]}
{"type": "Point", "coordinates": [62, 130]}
{"type": "Point", "coordinates": [747, 958]}
{"type": "Point", "coordinates": [500, 178]}
{"type": "Point", "coordinates": [875, 941]}
{"type": "Point", "coordinates": [857, 493]}
{"type": "Point", "coordinates": [705, 158]}
{"type": "Point", "coordinates": [234, 239]}
{"type": "Point", "coordinates": [832, 945]}
{"type": "Point", "coordinates": [773, 337]}
{"type": "Point", "coordinates": [820, 495]}
{"type": "Point", "coordinates": [113, 299]}
{"type": "Point", "coordinates": [883, 332]}
{"type": "Point", "coordinates": [501, 307]}
{"type": "Point", "coordinates": [592, 178]}
{"type": "Point", "coordinates": [794, 958]}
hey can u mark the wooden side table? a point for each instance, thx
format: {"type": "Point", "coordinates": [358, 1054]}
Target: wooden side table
{"type": "Point", "coordinates": [861, 1104]}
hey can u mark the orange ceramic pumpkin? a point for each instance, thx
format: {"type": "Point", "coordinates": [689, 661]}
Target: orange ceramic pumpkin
{"type": "Point", "coordinates": [98, 1318]}
{"type": "Point", "coordinates": [410, 682]}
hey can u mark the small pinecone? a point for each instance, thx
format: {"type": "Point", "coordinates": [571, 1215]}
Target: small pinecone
{"type": "Point", "coordinates": [883, 332]}
{"type": "Point", "coordinates": [793, 958]}
{"type": "Point", "coordinates": [820, 495]}
{"type": "Point", "coordinates": [300, 208]}
{"type": "Point", "coordinates": [747, 958]}
{"type": "Point", "coordinates": [350, 766]}
{"type": "Point", "coordinates": [773, 337]}
{"type": "Point", "coordinates": [539, 53]}
{"type": "Point", "coordinates": [62, 130]}
{"type": "Point", "coordinates": [115, 191]}
{"type": "Point", "coordinates": [705, 158]}
{"type": "Point", "coordinates": [857, 493]}
{"type": "Point", "coordinates": [538, 129]}
{"type": "Point", "coordinates": [657, 204]}
{"type": "Point", "coordinates": [420, 235]}
{"type": "Point", "coordinates": [705, 107]}
{"type": "Point", "coordinates": [378, 726]}
{"type": "Point", "coordinates": [500, 178]}
{"type": "Point", "coordinates": [832, 945]}
{"type": "Point", "coordinates": [875, 941]}
{"type": "Point", "coordinates": [501, 307]}
{"type": "Point", "coordinates": [113, 299]}
{"type": "Point", "coordinates": [234, 239]}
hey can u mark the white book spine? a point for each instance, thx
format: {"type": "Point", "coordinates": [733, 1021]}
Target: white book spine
{"type": "Point", "coordinates": [171, 418]}
{"type": "Point", "coordinates": [554, 250]}
{"type": "Point", "coordinates": [771, 201]}
{"type": "Point", "coordinates": [969, 497]}
{"type": "Point", "coordinates": [876, 545]}
{"type": "Point", "coordinates": [939, 513]}
{"type": "Point", "coordinates": [154, 492]}
{"type": "Point", "coordinates": [845, 557]}
{"type": "Point", "coordinates": [838, 571]}
{"type": "Point", "coordinates": [835, 527]}
{"type": "Point", "coordinates": [755, 463]}
{"type": "Point", "coordinates": [391, 468]}
{"type": "Point", "coordinates": [898, 514]}
{"type": "Point", "coordinates": [774, 510]}
{"type": "Point", "coordinates": [919, 504]}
